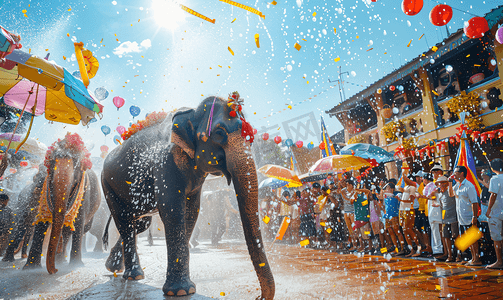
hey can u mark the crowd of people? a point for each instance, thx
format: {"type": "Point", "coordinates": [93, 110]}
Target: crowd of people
{"type": "Point", "coordinates": [421, 214]}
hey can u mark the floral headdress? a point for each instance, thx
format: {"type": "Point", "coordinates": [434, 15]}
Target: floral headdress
{"type": "Point", "coordinates": [73, 145]}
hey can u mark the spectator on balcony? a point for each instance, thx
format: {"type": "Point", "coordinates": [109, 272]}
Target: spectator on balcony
{"type": "Point", "coordinates": [495, 211]}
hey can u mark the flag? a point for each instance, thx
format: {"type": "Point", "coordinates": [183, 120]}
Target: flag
{"type": "Point", "coordinates": [465, 158]}
{"type": "Point", "coordinates": [400, 182]}
{"type": "Point", "coordinates": [325, 139]}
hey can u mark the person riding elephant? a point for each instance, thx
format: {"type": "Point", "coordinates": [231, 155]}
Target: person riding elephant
{"type": "Point", "coordinates": [161, 168]}
{"type": "Point", "coordinates": [70, 197]}
{"type": "Point", "coordinates": [25, 210]}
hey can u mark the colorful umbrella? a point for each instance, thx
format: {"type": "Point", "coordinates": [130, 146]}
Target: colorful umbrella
{"type": "Point", "coordinates": [272, 183]}
{"type": "Point", "coordinates": [279, 172]}
{"type": "Point", "coordinates": [31, 146]}
{"type": "Point", "coordinates": [312, 177]}
{"type": "Point", "coordinates": [341, 163]}
{"type": "Point", "coordinates": [26, 79]}
{"type": "Point", "coordinates": [367, 151]}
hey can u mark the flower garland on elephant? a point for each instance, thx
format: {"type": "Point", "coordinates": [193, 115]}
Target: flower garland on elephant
{"type": "Point", "coordinates": [150, 120]}
{"type": "Point", "coordinates": [74, 144]}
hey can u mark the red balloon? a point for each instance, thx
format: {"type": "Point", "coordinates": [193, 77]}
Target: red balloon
{"type": "Point", "coordinates": [392, 88]}
{"type": "Point", "coordinates": [440, 15]}
{"type": "Point", "coordinates": [265, 136]}
{"type": "Point", "coordinates": [322, 146]}
{"type": "Point", "coordinates": [277, 139]}
{"type": "Point", "coordinates": [118, 102]}
{"type": "Point", "coordinates": [254, 131]}
{"type": "Point", "coordinates": [476, 27]}
{"type": "Point", "coordinates": [412, 7]}
{"type": "Point", "coordinates": [299, 144]}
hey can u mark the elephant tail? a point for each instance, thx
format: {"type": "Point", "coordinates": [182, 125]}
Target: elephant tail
{"type": "Point", "coordinates": [105, 233]}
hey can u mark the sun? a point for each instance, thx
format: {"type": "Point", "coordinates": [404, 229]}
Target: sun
{"type": "Point", "coordinates": [167, 13]}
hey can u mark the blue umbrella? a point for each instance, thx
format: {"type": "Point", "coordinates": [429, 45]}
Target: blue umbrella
{"type": "Point", "coordinates": [272, 183]}
{"type": "Point", "coordinates": [368, 151]}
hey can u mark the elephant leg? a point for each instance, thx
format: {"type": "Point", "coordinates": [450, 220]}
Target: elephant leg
{"type": "Point", "coordinates": [34, 258]}
{"type": "Point", "coordinates": [178, 231]}
{"type": "Point", "coordinates": [115, 261]}
{"type": "Point", "coordinates": [27, 239]}
{"type": "Point", "coordinates": [15, 239]}
{"type": "Point", "coordinates": [150, 238]}
{"type": "Point", "coordinates": [98, 247]}
{"type": "Point", "coordinates": [4, 243]}
{"type": "Point", "coordinates": [77, 236]}
{"type": "Point", "coordinates": [62, 244]}
{"type": "Point", "coordinates": [133, 269]}
{"type": "Point", "coordinates": [84, 243]}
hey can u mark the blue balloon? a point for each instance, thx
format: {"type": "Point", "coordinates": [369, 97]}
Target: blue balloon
{"type": "Point", "coordinates": [134, 110]}
{"type": "Point", "coordinates": [105, 129]}
{"type": "Point", "coordinates": [289, 142]}
{"type": "Point", "coordinates": [117, 139]}
{"type": "Point", "coordinates": [101, 93]}
{"type": "Point", "coordinates": [310, 146]}
{"type": "Point", "coordinates": [93, 120]}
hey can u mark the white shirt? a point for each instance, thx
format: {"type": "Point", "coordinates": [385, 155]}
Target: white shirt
{"type": "Point", "coordinates": [466, 195]}
{"type": "Point", "coordinates": [496, 187]}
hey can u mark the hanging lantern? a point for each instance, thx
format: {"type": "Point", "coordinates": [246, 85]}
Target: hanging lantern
{"type": "Point", "coordinates": [440, 15]}
{"type": "Point", "coordinates": [491, 135]}
{"type": "Point", "coordinates": [277, 139]}
{"type": "Point", "coordinates": [412, 7]}
{"type": "Point", "coordinates": [265, 136]}
{"type": "Point", "coordinates": [392, 88]}
{"type": "Point", "coordinates": [476, 27]}
{"type": "Point", "coordinates": [483, 137]}
{"type": "Point", "coordinates": [299, 144]}
{"type": "Point", "coordinates": [452, 140]}
{"type": "Point", "coordinates": [386, 112]}
{"type": "Point", "coordinates": [475, 135]}
{"type": "Point", "coordinates": [322, 146]}
{"type": "Point", "coordinates": [500, 134]}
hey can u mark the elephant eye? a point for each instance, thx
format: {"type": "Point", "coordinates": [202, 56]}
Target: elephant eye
{"type": "Point", "coordinates": [220, 136]}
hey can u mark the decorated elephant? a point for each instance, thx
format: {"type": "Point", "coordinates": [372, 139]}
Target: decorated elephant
{"type": "Point", "coordinates": [25, 208]}
{"type": "Point", "coordinates": [69, 199]}
{"type": "Point", "coordinates": [161, 167]}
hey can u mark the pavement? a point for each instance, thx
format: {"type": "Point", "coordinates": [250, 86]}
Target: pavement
{"type": "Point", "coordinates": [225, 272]}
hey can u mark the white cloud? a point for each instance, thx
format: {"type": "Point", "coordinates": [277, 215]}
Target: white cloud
{"type": "Point", "coordinates": [128, 47]}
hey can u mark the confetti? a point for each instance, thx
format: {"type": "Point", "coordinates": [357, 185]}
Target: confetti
{"type": "Point", "coordinates": [335, 30]}
{"type": "Point", "coordinates": [314, 14]}
{"type": "Point", "coordinates": [190, 11]}
{"type": "Point", "coordinates": [222, 294]}
{"type": "Point", "coordinates": [128, 182]}
{"type": "Point", "coordinates": [421, 37]}
{"type": "Point", "coordinates": [233, 20]}
{"type": "Point", "coordinates": [434, 48]}
{"type": "Point", "coordinates": [304, 242]}
{"type": "Point", "coordinates": [115, 274]}
{"type": "Point", "coordinates": [434, 92]}
{"type": "Point", "coordinates": [367, 232]}
{"type": "Point", "coordinates": [266, 219]}
{"type": "Point", "coordinates": [408, 45]}
{"type": "Point", "coordinates": [250, 9]}
{"type": "Point", "coordinates": [384, 250]}
{"type": "Point", "coordinates": [70, 9]}
{"type": "Point", "coordinates": [64, 57]}
{"type": "Point", "coordinates": [329, 230]}
{"type": "Point", "coordinates": [337, 59]}
{"type": "Point", "coordinates": [273, 3]}
{"type": "Point", "coordinates": [297, 46]}
{"type": "Point", "coordinates": [443, 214]}
{"type": "Point", "coordinates": [257, 42]}
{"type": "Point", "coordinates": [438, 287]}
{"type": "Point", "coordinates": [365, 203]}
{"type": "Point", "coordinates": [68, 35]}
{"type": "Point", "coordinates": [261, 265]}
{"type": "Point", "coordinates": [370, 49]}
{"type": "Point", "coordinates": [230, 50]}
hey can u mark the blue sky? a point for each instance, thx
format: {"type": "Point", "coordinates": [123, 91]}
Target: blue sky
{"type": "Point", "coordinates": [155, 67]}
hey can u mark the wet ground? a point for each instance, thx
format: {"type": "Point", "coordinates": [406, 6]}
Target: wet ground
{"type": "Point", "coordinates": [225, 272]}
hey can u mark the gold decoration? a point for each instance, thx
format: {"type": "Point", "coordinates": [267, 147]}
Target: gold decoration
{"type": "Point", "coordinates": [467, 103]}
{"type": "Point", "coordinates": [393, 130]}
{"type": "Point", "coordinates": [409, 144]}
{"type": "Point", "coordinates": [361, 138]}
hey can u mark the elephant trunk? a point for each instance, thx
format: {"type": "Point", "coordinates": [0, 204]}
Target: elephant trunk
{"type": "Point", "coordinates": [59, 188]}
{"type": "Point", "coordinates": [241, 166]}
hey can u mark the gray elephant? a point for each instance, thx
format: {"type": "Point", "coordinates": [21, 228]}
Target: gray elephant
{"type": "Point", "coordinates": [25, 209]}
{"type": "Point", "coordinates": [162, 169]}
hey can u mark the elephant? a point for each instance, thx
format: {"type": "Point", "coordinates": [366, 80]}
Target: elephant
{"type": "Point", "coordinates": [70, 198]}
{"type": "Point", "coordinates": [161, 169]}
{"type": "Point", "coordinates": [25, 209]}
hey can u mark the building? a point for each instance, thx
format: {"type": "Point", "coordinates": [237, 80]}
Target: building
{"type": "Point", "coordinates": [414, 98]}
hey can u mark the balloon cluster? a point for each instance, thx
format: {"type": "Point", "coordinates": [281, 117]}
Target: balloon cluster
{"type": "Point", "coordinates": [288, 142]}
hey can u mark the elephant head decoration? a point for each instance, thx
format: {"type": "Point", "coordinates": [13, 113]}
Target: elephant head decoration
{"type": "Point", "coordinates": [162, 168]}
{"type": "Point", "coordinates": [70, 196]}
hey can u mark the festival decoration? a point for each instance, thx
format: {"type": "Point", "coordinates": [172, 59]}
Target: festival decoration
{"type": "Point", "coordinates": [277, 139]}
{"type": "Point", "coordinates": [325, 138]}
{"type": "Point", "coordinates": [8, 42]}
{"type": "Point", "coordinates": [386, 111]}
{"type": "Point", "coordinates": [393, 130]}
{"type": "Point", "coordinates": [88, 65]}
{"type": "Point", "coordinates": [310, 146]}
{"type": "Point", "coordinates": [476, 27]}
{"type": "Point", "coordinates": [392, 88]}
{"type": "Point", "coordinates": [134, 111]}
{"type": "Point", "coordinates": [440, 15]}
{"type": "Point", "coordinates": [152, 119]}
{"type": "Point", "coordinates": [23, 163]}
{"type": "Point", "coordinates": [194, 13]}
{"type": "Point", "coordinates": [299, 144]}
{"type": "Point", "coordinates": [361, 138]}
{"type": "Point", "coordinates": [265, 136]}
{"type": "Point", "coordinates": [73, 144]}
{"type": "Point", "coordinates": [118, 102]}
{"type": "Point", "coordinates": [101, 93]}
{"type": "Point", "coordinates": [121, 129]}
{"type": "Point", "coordinates": [467, 103]}
{"type": "Point", "coordinates": [257, 40]}
{"type": "Point", "coordinates": [105, 129]}
{"type": "Point", "coordinates": [322, 146]}
{"type": "Point", "coordinates": [412, 7]}
{"type": "Point", "coordinates": [499, 35]}
{"type": "Point", "coordinates": [288, 142]}
{"type": "Point", "coordinates": [250, 9]}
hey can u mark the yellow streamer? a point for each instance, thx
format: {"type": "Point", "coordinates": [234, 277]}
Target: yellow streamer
{"type": "Point", "coordinates": [257, 40]}
{"type": "Point", "coordinates": [192, 12]}
{"type": "Point", "coordinates": [242, 6]}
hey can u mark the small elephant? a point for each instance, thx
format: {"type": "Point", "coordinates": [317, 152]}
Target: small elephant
{"type": "Point", "coordinates": [25, 208]}
{"type": "Point", "coordinates": [70, 198]}
{"type": "Point", "coordinates": [162, 169]}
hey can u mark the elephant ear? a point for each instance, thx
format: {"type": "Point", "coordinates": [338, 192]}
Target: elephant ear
{"type": "Point", "coordinates": [183, 131]}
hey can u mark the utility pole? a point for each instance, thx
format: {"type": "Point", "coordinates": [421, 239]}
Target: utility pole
{"type": "Point", "coordinates": [340, 82]}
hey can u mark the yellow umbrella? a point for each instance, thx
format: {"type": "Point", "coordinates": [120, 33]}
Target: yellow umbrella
{"type": "Point", "coordinates": [340, 163]}
{"type": "Point", "coordinates": [279, 172]}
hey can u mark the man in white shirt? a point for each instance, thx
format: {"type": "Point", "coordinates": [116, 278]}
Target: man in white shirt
{"type": "Point", "coordinates": [495, 211]}
{"type": "Point", "coordinates": [467, 207]}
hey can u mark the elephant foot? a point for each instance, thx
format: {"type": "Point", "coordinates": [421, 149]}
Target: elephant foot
{"type": "Point", "coordinates": [52, 270]}
{"type": "Point", "coordinates": [115, 262]}
{"type": "Point", "coordinates": [9, 257]}
{"type": "Point", "coordinates": [183, 288]}
{"type": "Point", "coordinates": [134, 274]}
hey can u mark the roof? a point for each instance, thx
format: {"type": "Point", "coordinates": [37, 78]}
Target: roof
{"type": "Point", "coordinates": [450, 43]}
